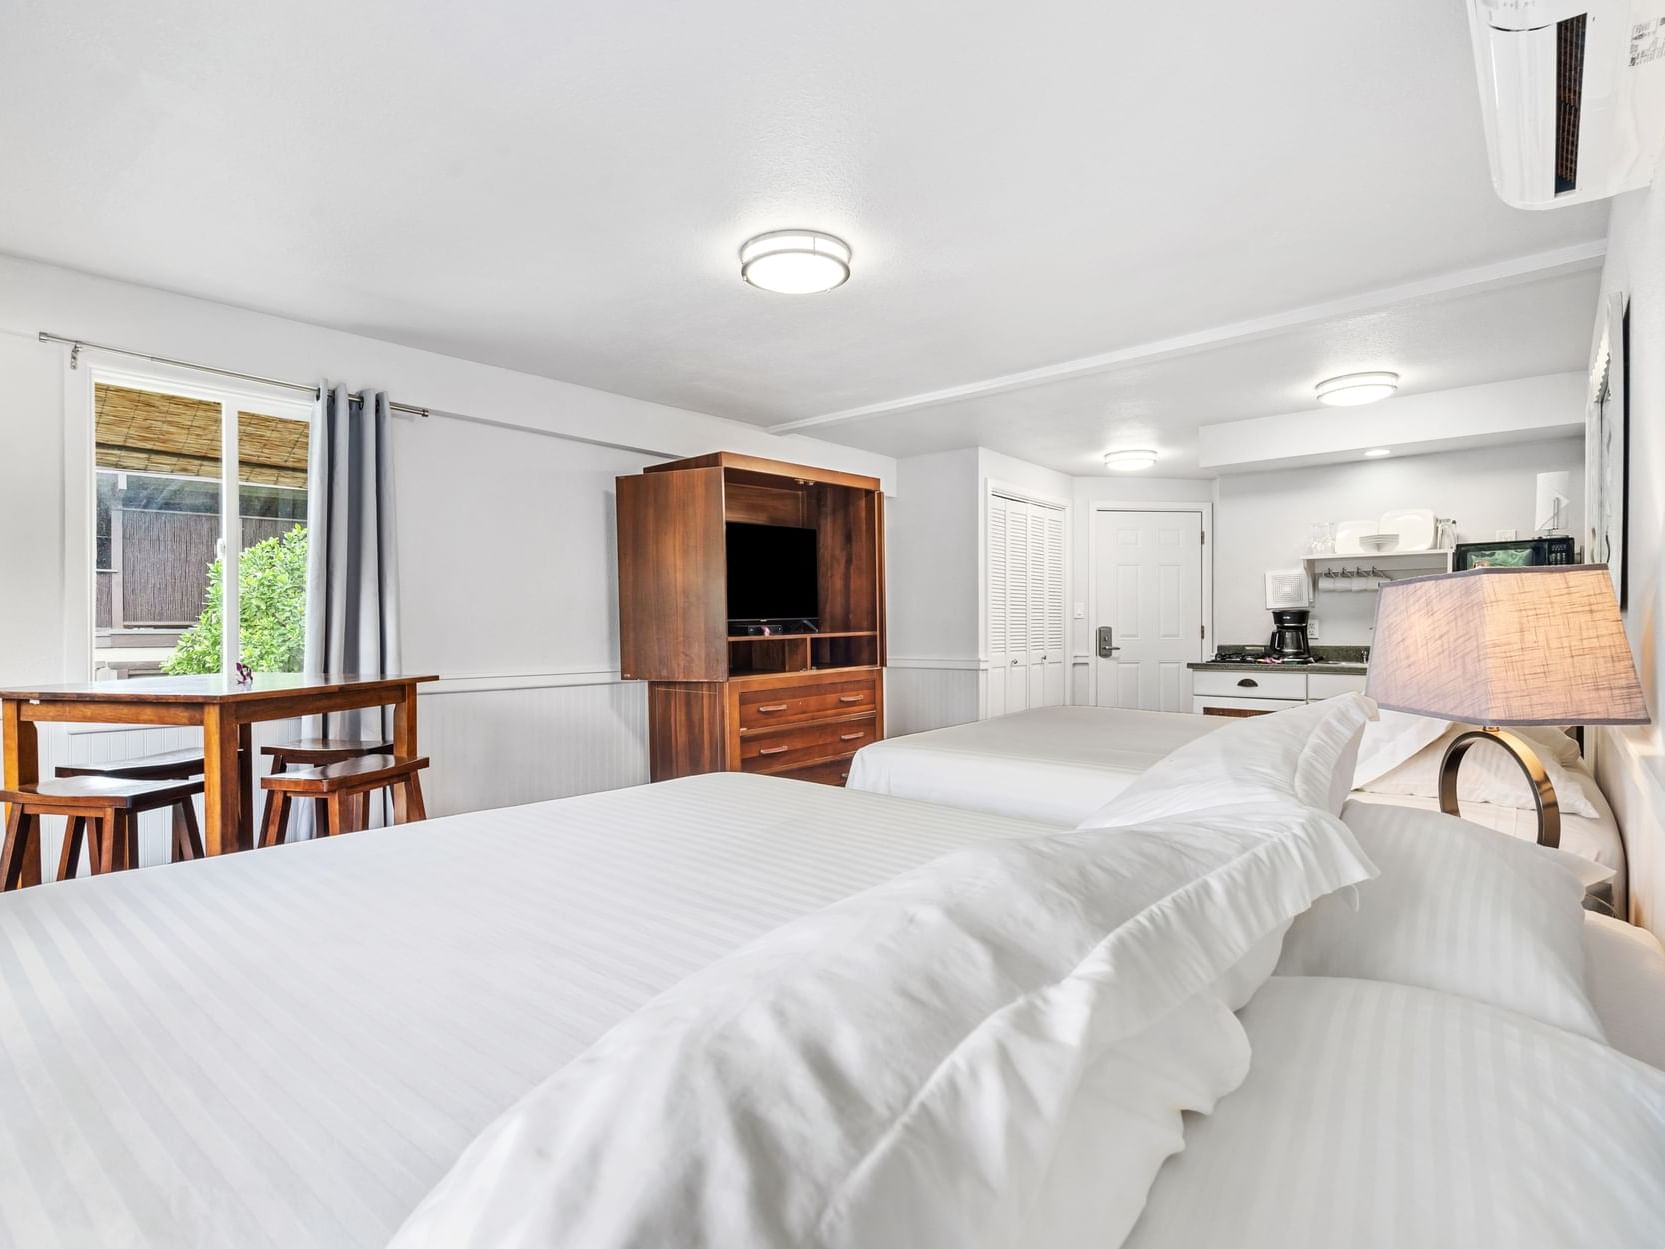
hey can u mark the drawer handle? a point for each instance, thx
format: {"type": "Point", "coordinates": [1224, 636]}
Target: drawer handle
{"type": "Point", "coordinates": [774, 750]}
{"type": "Point", "coordinates": [850, 737]}
{"type": "Point", "coordinates": [1249, 683]}
{"type": "Point", "coordinates": [851, 698]}
{"type": "Point", "coordinates": [771, 708]}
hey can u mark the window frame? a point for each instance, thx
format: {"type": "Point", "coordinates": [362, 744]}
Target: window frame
{"type": "Point", "coordinates": [80, 488]}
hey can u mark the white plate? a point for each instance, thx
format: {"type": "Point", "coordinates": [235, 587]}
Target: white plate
{"type": "Point", "coordinates": [1348, 535]}
{"type": "Point", "coordinates": [1414, 525]}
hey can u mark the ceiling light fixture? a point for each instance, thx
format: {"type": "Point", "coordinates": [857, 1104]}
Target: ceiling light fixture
{"type": "Point", "coordinates": [795, 262]}
{"type": "Point", "coordinates": [1376, 453]}
{"type": "Point", "coordinates": [1129, 461]}
{"type": "Point", "coordinates": [1352, 389]}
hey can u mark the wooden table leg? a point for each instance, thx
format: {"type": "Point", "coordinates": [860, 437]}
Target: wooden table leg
{"type": "Point", "coordinates": [404, 745]}
{"type": "Point", "coordinates": [222, 781]}
{"type": "Point", "coordinates": [245, 786]}
{"type": "Point", "coordinates": [21, 767]}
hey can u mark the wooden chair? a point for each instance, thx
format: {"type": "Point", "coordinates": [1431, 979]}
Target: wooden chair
{"type": "Point", "coordinates": [110, 807]}
{"type": "Point", "coordinates": [174, 765]}
{"type": "Point", "coordinates": [315, 752]}
{"type": "Point", "coordinates": [344, 790]}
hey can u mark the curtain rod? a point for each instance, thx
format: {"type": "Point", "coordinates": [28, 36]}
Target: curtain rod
{"type": "Point", "coordinates": [75, 345]}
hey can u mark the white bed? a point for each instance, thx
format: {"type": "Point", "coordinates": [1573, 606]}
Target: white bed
{"type": "Point", "coordinates": [1054, 764]}
{"type": "Point", "coordinates": [289, 1048]}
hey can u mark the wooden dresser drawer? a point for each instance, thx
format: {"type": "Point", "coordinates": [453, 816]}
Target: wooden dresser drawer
{"type": "Point", "coordinates": [769, 706]}
{"type": "Point", "coordinates": [785, 748]}
{"type": "Point", "coordinates": [1268, 684]}
{"type": "Point", "coordinates": [832, 772]}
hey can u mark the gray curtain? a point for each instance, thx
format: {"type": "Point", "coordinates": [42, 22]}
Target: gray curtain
{"type": "Point", "coordinates": [352, 604]}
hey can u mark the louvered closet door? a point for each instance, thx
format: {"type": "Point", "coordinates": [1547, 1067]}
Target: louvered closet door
{"type": "Point", "coordinates": [1054, 660]}
{"type": "Point", "coordinates": [1026, 630]}
{"type": "Point", "coordinates": [1018, 579]}
{"type": "Point", "coordinates": [999, 651]}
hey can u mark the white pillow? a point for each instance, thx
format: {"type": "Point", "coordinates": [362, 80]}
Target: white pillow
{"type": "Point", "coordinates": [1380, 1116]}
{"type": "Point", "coordinates": [1456, 907]}
{"type": "Point", "coordinates": [1303, 755]}
{"type": "Point", "coordinates": [1488, 774]}
{"type": "Point", "coordinates": [1396, 736]}
{"type": "Point", "coordinates": [991, 1050]}
{"type": "Point", "coordinates": [1392, 738]}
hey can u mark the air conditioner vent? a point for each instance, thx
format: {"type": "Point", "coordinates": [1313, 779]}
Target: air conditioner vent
{"type": "Point", "coordinates": [1569, 99]}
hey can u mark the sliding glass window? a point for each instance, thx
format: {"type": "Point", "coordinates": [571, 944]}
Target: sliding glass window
{"type": "Point", "coordinates": [176, 588]}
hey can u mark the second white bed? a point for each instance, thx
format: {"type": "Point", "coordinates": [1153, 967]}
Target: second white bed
{"type": "Point", "coordinates": [1054, 764]}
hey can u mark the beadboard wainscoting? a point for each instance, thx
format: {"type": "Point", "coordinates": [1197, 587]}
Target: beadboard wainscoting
{"type": "Point", "coordinates": [923, 694]}
{"type": "Point", "coordinates": [551, 735]}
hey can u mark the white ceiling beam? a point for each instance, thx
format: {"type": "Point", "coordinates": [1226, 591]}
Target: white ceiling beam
{"type": "Point", "coordinates": [1518, 270]}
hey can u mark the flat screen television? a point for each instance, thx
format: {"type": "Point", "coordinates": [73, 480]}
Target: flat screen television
{"type": "Point", "coordinates": [772, 574]}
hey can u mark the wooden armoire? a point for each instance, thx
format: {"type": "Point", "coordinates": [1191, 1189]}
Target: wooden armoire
{"type": "Point", "coordinates": [792, 703]}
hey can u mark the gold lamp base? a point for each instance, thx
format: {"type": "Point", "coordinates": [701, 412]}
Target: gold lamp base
{"type": "Point", "coordinates": [1543, 793]}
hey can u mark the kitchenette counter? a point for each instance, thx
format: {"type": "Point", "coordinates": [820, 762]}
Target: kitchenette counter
{"type": "Point", "coordinates": [1335, 667]}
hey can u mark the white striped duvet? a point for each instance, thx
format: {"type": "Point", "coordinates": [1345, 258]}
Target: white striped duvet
{"type": "Point", "coordinates": [290, 1047]}
{"type": "Point", "coordinates": [1380, 1116]}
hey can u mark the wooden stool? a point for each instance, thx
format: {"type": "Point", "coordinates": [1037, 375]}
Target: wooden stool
{"type": "Point", "coordinates": [111, 805]}
{"type": "Point", "coordinates": [175, 765]}
{"type": "Point", "coordinates": [315, 752]}
{"type": "Point", "coordinates": [334, 784]}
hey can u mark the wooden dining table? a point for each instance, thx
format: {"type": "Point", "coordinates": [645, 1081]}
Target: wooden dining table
{"type": "Point", "coordinates": [224, 707]}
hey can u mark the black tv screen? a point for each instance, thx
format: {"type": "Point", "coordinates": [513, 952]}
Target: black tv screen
{"type": "Point", "coordinates": [771, 573]}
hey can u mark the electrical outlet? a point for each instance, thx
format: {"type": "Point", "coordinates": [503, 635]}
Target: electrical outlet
{"type": "Point", "coordinates": [1312, 627]}
{"type": "Point", "coordinates": [1506, 535]}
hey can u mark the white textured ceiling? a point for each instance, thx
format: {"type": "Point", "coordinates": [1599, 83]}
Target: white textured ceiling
{"type": "Point", "coordinates": [1523, 330]}
{"type": "Point", "coordinates": [561, 188]}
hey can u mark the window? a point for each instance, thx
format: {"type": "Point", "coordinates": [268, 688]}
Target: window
{"type": "Point", "coordinates": [160, 593]}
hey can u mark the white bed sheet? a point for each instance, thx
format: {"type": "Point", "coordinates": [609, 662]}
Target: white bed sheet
{"type": "Point", "coordinates": [290, 1047]}
{"type": "Point", "coordinates": [1380, 1116]}
{"type": "Point", "coordinates": [1597, 839]}
{"type": "Point", "coordinates": [1624, 972]}
{"type": "Point", "coordinates": [1054, 764]}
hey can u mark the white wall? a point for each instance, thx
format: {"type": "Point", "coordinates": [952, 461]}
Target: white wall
{"type": "Point", "coordinates": [1631, 762]}
{"type": "Point", "coordinates": [506, 547]}
{"type": "Point", "coordinates": [933, 554]}
{"type": "Point", "coordinates": [1264, 521]}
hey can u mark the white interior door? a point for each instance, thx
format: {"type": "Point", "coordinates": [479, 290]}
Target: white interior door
{"type": "Point", "coordinates": [1147, 591]}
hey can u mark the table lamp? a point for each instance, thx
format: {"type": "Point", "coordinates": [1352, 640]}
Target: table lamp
{"type": "Point", "coordinates": [1506, 646]}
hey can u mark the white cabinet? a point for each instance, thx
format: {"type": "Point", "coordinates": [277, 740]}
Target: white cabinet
{"type": "Point", "coordinates": [1026, 623]}
{"type": "Point", "coordinates": [1238, 693]}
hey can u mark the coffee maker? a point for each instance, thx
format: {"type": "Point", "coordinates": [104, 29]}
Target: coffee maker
{"type": "Point", "coordinates": [1289, 636]}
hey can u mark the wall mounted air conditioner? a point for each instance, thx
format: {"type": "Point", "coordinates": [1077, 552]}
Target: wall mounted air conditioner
{"type": "Point", "coordinates": [1573, 93]}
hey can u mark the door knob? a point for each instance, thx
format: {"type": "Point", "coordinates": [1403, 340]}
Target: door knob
{"type": "Point", "coordinates": [1106, 642]}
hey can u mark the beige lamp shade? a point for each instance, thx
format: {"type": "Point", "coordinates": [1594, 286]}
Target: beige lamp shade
{"type": "Point", "coordinates": [1504, 646]}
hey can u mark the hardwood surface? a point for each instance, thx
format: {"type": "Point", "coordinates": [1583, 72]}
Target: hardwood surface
{"type": "Point", "coordinates": [714, 696]}
{"type": "Point", "coordinates": [225, 710]}
{"type": "Point", "coordinates": [344, 789]}
{"type": "Point", "coordinates": [767, 469]}
{"type": "Point", "coordinates": [102, 811]}
{"type": "Point", "coordinates": [673, 588]}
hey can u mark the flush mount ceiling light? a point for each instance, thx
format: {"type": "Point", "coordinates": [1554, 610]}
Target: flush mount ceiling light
{"type": "Point", "coordinates": [1376, 453]}
{"type": "Point", "coordinates": [795, 262]}
{"type": "Point", "coordinates": [1352, 389]}
{"type": "Point", "coordinates": [1129, 461]}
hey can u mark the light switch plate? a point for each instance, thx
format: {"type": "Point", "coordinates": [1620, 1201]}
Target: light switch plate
{"type": "Point", "coordinates": [1081, 611]}
{"type": "Point", "coordinates": [1506, 535]}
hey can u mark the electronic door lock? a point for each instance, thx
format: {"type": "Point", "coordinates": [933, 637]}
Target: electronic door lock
{"type": "Point", "coordinates": [1106, 642]}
